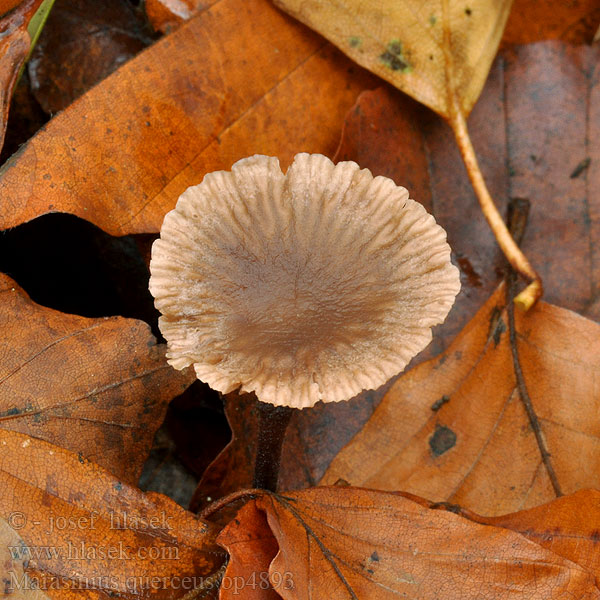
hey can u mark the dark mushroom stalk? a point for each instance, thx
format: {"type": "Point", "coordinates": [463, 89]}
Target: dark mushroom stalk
{"type": "Point", "coordinates": [308, 286]}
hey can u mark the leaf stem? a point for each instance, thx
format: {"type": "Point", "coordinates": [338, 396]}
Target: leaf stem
{"type": "Point", "coordinates": [518, 211]}
{"type": "Point", "coordinates": [518, 261]}
{"type": "Point", "coordinates": [457, 121]}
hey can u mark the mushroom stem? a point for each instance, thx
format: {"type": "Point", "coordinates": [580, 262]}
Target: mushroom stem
{"type": "Point", "coordinates": [530, 295]}
{"type": "Point", "coordinates": [272, 424]}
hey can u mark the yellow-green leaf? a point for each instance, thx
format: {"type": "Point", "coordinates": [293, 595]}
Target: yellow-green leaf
{"type": "Point", "coordinates": [408, 42]}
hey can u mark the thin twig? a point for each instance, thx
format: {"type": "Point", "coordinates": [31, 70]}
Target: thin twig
{"type": "Point", "coordinates": [456, 118]}
{"type": "Point", "coordinates": [517, 218]}
{"type": "Point", "coordinates": [217, 505]}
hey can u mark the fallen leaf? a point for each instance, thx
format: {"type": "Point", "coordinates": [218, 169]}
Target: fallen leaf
{"type": "Point", "coordinates": [121, 155]}
{"type": "Point", "coordinates": [343, 543]}
{"type": "Point", "coordinates": [536, 20]}
{"type": "Point", "coordinates": [535, 124]}
{"type": "Point", "coordinates": [569, 526]}
{"type": "Point", "coordinates": [411, 45]}
{"type": "Point", "coordinates": [15, 43]}
{"type": "Point", "coordinates": [82, 42]}
{"type": "Point", "coordinates": [99, 387]}
{"type": "Point", "coordinates": [454, 428]}
{"type": "Point", "coordinates": [167, 15]}
{"type": "Point", "coordinates": [86, 530]}
{"type": "Point", "coordinates": [251, 546]}
{"type": "Point", "coordinates": [13, 566]}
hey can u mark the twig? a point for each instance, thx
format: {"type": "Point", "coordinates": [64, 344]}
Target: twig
{"type": "Point", "coordinates": [456, 118]}
{"type": "Point", "coordinates": [518, 211]}
{"type": "Point", "coordinates": [217, 505]}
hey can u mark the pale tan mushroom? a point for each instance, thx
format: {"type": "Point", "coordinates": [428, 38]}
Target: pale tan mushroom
{"type": "Point", "coordinates": [308, 286]}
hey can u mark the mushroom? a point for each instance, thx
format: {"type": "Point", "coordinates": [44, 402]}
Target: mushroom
{"type": "Point", "coordinates": [308, 286]}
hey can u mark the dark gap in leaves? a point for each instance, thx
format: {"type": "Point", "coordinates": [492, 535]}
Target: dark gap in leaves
{"type": "Point", "coordinates": [24, 119]}
{"type": "Point", "coordinates": [68, 264]}
{"type": "Point", "coordinates": [195, 431]}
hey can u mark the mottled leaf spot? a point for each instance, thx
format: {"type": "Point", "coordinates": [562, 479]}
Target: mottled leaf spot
{"type": "Point", "coordinates": [442, 440]}
{"type": "Point", "coordinates": [394, 57]}
{"type": "Point", "coordinates": [354, 42]}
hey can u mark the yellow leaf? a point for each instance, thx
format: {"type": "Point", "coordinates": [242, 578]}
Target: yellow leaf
{"type": "Point", "coordinates": [418, 46]}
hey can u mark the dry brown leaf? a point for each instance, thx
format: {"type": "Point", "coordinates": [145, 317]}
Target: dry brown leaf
{"type": "Point", "coordinates": [251, 546]}
{"type": "Point", "coordinates": [99, 387]}
{"type": "Point", "coordinates": [569, 526]}
{"type": "Point", "coordinates": [87, 532]}
{"type": "Point", "coordinates": [14, 48]}
{"type": "Point", "coordinates": [406, 44]}
{"type": "Point", "coordinates": [122, 153]}
{"type": "Point", "coordinates": [454, 428]}
{"type": "Point", "coordinates": [342, 543]}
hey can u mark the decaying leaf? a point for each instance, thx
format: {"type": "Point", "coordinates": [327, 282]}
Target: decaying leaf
{"type": "Point", "coordinates": [15, 43]}
{"type": "Point", "coordinates": [536, 20]}
{"type": "Point", "coordinates": [122, 154]}
{"type": "Point", "coordinates": [546, 97]}
{"type": "Point", "coordinates": [454, 428]}
{"type": "Point", "coordinates": [83, 41]}
{"type": "Point", "coordinates": [408, 44]}
{"type": "Point", "coordinates": [85, 531]}
{"type": "Point", "coordinates": [349, 543]}
{"type": "Point", "coordinates": [13, 562]}
{"type": "Point", "coordinates": [99, 387]}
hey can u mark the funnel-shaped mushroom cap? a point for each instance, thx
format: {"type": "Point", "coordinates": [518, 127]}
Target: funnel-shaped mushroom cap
{"type": "Point", "coordinates": [302, 287]}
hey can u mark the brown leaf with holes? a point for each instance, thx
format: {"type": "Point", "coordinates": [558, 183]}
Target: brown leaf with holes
{"type": "Point", "coordinates": [536, 131]}
{"type": "Point", "coordinates": [121, 155]}
{"type": "Point", "coordinates": [343, 543]}
{"type": "Point", "coordinates": [454, 428]}
{"type": "Point", "coordinates": [14, 48]}
{"type": "Point", "coordinates": [85, 531]}
{"type": "Point", "coordinates": [99, 387]}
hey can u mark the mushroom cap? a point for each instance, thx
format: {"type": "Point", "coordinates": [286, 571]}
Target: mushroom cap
{"type": "Point", "coordinates": [308, 286]}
